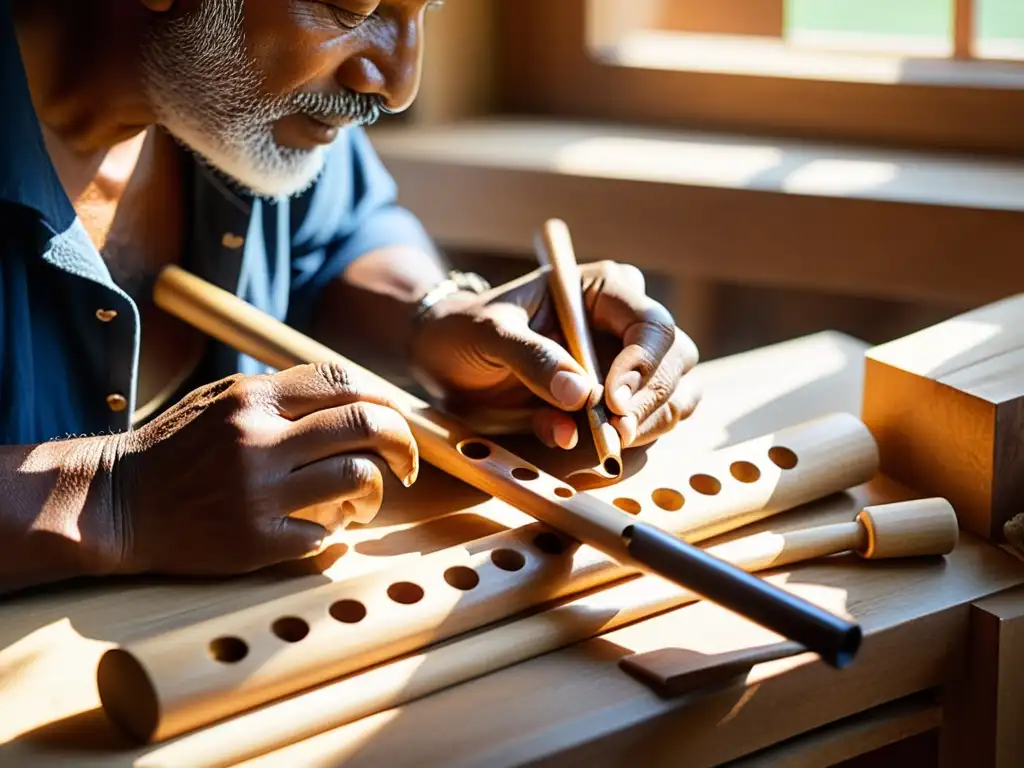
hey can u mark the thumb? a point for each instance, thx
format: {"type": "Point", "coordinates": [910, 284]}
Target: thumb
{"type": "Point", "coordinates": [541, 364]}
{"type": "Point", "coordinates": [293, 538]}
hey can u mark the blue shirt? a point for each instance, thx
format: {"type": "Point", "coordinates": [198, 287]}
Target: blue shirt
{"type": "Point", "coordinates": [63, 353]}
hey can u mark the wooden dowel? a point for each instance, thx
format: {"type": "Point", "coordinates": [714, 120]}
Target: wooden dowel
{"type": "Point", "coordinates": [917, 528]}
{"type": "Point", "coordinates": [906, 529]}
{"type": "Point", "coordinates": [165, 685]}
{"type": "Point", "coordinates": [555, 251]}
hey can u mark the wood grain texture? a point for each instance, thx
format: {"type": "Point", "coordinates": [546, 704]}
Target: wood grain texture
{"type": "Point", "coordinates": [470, 656]}
{"type": "Point", "coordinates": [588, 716]}
{"type": "Point", "coordinates": [51, 639]}
{"type": "Point", "coordinates": [985, 710]}
{"type": "Point", "coordinates": [915, 528]}
{"type": "Point", "coordinates": [853, 736]}
{"type": "Point", "coordinates": [162, 686]}
{"type": "Point", "coordinates": [946, 405]}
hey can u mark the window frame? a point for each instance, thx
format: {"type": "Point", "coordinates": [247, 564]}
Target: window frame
{"type": "Point", "coordinates": [546, 68]}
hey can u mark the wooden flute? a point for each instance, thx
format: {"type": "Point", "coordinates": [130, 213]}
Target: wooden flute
{"type": "Point", "coordinates": [159, 686]}
{"type": "Point", "coordinates": [449, 445]}
{"type": "Point", "coordinates": [905, 529]}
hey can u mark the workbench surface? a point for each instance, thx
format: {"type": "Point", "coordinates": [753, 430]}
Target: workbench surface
{"type": "Point", "coordinates": [575, 702]}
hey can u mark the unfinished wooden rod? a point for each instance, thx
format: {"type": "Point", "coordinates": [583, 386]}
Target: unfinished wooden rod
{"type": "Point", "coordinates": [555, 251]}
{"type": "Point", "coordinates": [165, 685]}
{"type": "Point", "coordinates": [918, 528]}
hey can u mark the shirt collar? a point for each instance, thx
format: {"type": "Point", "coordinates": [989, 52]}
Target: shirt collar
{"type": "Point", "coordinates": [27, 176]}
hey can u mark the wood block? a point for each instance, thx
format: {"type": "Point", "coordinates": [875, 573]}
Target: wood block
{"type": "Point", "coordinates": [946, 405]}
{"type": "Point", "coordinates": [983, 713]}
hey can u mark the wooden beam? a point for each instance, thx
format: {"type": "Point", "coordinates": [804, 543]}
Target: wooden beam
{"type": "Point", "coordinates": [723, 17]}
{"type": "Point", "coordinates": [963, 28]}
{"type": "Point", "coordinates": [853, 737]}
{"type": "Point", "coordinates": [939, 230]}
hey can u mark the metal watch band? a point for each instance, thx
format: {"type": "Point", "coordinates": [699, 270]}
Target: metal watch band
{"type": "Point", "coordinates": [456, 282]}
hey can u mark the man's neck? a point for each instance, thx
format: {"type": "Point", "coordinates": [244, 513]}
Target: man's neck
{"type": "Point", "coordinates": [76, 56]}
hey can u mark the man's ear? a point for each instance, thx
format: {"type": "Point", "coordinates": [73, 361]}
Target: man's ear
{"type": "Point", "coordinates": [158, 6]}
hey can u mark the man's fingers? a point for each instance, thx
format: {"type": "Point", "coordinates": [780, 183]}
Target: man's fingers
{"type": "Point", "coordinates": [651, 352]}
{"type": "Point", "coordinates": [555, 429]}
{"type": "Point", "coordinates": [343, 489]}
{"type": "Point", "coordinates": [291, 538]}
{"type": "Point", "coordinates": [663, 419]}
{"type": "Point", "coordinates": [359, 427]}
{"type": "Point", "coordinates": [540, 363]}
{"type": "Point", "coordinates": [304, 389]}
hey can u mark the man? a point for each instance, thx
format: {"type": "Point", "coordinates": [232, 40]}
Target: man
{"type": "Point", "coordinates": [226, 136]}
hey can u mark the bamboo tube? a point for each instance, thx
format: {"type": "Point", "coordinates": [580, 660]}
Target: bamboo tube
{"type": "Point", "coordinates": [165, 685]}
{"type": "Point", "coordinates": [918, 528]}
{"type": "Point", "coordinates": [449, 445]}
{"type": "Point", "coordinates": [554, 250]}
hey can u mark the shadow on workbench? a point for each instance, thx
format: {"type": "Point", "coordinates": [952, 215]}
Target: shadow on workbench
{"type": "Point", "coordinates": [84, 611]}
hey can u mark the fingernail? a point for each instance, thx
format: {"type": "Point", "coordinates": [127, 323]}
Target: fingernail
{"type": "Point", "coordinates": [569, 389]}
{"type": "Point", "coordinates": [411, 477]}
{"type": "Point", "coordinates": [566, 436]}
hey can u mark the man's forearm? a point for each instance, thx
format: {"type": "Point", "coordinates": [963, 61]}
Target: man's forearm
{"type": "Point", "coordinates": [55, 520]}
{"type": "Point", "coordinates": [368, 311]}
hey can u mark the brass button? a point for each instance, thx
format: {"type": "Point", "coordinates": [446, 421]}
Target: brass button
{"type": "Point", "coordinates": [106, 315]}
{"type": "Point", "coordinates": [232, 241]}
{"type": "Point", "coordinates": [117, 402]}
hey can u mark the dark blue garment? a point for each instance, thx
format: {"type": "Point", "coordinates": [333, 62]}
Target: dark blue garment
{"type": "Point", "coordinates": [59, 361]}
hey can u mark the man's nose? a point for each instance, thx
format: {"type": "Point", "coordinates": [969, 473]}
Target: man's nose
{"type": "Point", "coordinates": [390, 63]}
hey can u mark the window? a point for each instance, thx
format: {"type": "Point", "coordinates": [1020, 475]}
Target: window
{"type": "Point", "coordinates": [941, 74]}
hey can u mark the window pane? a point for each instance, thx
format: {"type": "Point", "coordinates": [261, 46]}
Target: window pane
{"type": "Point", "coordinates": [1000, 29]}
{"type": "Point", "coordinates": [922, 27]}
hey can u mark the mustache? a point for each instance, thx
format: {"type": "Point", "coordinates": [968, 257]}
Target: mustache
{"type": "Point", "coordinates": [343, 107]}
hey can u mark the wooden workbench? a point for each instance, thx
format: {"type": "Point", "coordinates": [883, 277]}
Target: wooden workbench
{"type": "Point", "coordinates": [923, 623]}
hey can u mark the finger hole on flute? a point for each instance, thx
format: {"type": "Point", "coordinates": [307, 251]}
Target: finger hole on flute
{"type": "Point", "coordinates": [405, 592]}
{"type": "Point", "coordinates": [229, 649]}
{"type": "Point", "coordinates": [347, 611]}
{"type": "Point", "coordinates": [291, 629]}
{"type": "Point", "coordinates": [508, 559]}
{"type": "Point", "coordinates": [745, 472]}
{"type": "Point", "coordinates": [668, 499]}
{"type": "Point", "coordinates": [782, 457]}
{"type": "Point", "coordinates": [550, 543]}
{"type": "Point", "coordinates": [474, 449]}
{"type": "Point", "coordinates": [462, 577]}
{"type": "Point", "coordinates": [706, 484]}
{"type": "Point", "coordinates": [630, 506]}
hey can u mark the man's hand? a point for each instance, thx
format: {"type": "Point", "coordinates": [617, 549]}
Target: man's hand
{"type": "Point", "coordinates": [503, 350]}
{"type": "Point", "coordinates": [210, 486]}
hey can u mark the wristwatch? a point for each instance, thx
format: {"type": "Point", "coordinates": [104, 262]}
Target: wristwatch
{"type": "Point", "coordinates": [456, 282]}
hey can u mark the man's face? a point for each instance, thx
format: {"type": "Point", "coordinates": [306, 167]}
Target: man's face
{"type": "Point", "coordinates": [259, 88]}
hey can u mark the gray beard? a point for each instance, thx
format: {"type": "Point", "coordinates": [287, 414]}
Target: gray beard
{"type": "Point", "coordinates": [207, 93]}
